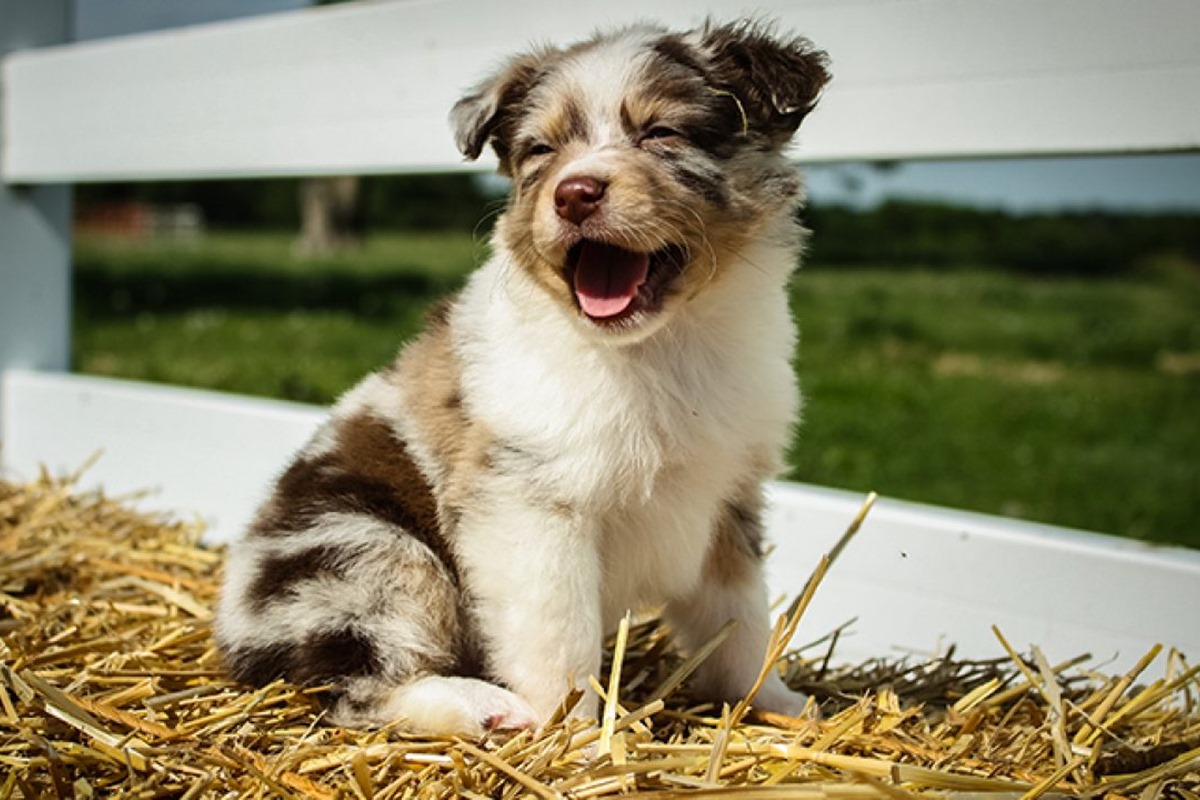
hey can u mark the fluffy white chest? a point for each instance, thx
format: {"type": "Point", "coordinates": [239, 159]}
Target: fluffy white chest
{"type": "Point", "coordinates": [644, 441]}
{"type": "Point", "coordinates": [607, 425]}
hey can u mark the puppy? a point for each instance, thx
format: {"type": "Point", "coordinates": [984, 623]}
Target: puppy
{"type": "Point", "coordinates": [584, 429]}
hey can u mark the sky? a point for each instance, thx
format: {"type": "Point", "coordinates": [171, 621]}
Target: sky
{"type": "Point", "coordinates": [1136, 183]}
{"type": "Point", "coordinates": [1141, 183]}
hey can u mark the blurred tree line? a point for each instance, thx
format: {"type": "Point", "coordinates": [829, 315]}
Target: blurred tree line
{"type": "Point", "coordinates": [384, 201]}
{"type": "Point", "coordinates": [895, 233]}
{"type": "Point", "coordinates": [938, 235]}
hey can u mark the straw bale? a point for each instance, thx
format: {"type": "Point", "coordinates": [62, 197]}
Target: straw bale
{"type": "Point", "coordinates": [110, 686]}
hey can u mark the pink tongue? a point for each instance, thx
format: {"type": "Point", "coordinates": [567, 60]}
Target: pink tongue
{"type": "Point", "coordinates": [607, 278]}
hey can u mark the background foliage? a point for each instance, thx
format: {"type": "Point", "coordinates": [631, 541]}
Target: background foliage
{"type": "Point", "coordinates": [896, 233]}
{"type": "Point", "coordinates": [1046, 367]}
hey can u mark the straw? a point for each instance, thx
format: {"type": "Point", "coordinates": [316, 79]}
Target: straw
{"type": "Point", "coordinates": [110, 686]}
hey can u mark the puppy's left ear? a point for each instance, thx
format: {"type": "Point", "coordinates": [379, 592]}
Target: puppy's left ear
{"type": "Point", "coordinates": [489, 111]}
{"type": "Point", "coordinates": [777, 81]}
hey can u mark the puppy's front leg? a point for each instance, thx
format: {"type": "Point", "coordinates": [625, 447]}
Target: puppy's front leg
{"type": "Point", "coordinates": [732, 588]}
{"type": "Point", "coordinates": [534, 577]}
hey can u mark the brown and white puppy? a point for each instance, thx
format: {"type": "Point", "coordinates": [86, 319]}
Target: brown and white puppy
{"type": "Point", "coordinates": [584, 429]}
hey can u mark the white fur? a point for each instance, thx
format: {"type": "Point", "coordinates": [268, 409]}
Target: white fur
{"type": "Point", "coordinates": [468, 706]}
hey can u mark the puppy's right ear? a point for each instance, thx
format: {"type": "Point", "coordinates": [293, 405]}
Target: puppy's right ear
{"type": "Point", "coordinates": [490, 111]}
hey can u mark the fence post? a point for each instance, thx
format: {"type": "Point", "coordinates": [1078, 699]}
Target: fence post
{"type": "Point", "coordinates": [35, 227]}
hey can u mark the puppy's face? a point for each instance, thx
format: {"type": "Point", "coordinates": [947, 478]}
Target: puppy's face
{"type": "Point", "coordinates": [642, 162]}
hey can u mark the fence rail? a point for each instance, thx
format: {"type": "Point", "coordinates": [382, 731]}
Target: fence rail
{"type": "Point", "coordinates": [366, 88]}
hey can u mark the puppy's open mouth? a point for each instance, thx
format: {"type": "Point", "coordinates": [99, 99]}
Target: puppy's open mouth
{"type": "Point", "coordinates": [612, 284]}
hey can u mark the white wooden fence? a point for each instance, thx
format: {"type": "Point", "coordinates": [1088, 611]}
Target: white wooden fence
{"type": "Point", "coordinates": [366, 88]}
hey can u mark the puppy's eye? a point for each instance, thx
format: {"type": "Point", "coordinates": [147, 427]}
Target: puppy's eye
{"type": "Point", "coordinates": [661, 133]}
{"type": "Point", "coordinates": [540, 149]}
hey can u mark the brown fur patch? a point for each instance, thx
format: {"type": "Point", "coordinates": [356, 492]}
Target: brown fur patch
{"type": "Point", "coordinates": [438, 314]}
{"type": "Point", "coordinates": [370, 449]}
{"type": "Point", "coordinates": [259, 665]}
{"type": "Point", "coordinates": [368, 472]}
{"type": "Point", "coordinates": [336, 654]}
{"type": "Point", "coordinates": [677, 96]}
{"type": "Point", "coordinates": [737, 545]}
{"type": "Point", "coordinates": [429, 375]}
{"type": "Point", "coordinates": [322, 656]}
{"type": "Point", "coordinates": [566, 122]}
{"type": "Point", "coordinates": [278, 575]}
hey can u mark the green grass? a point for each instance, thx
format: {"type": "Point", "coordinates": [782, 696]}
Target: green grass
{"type": "Point", "coordinates": [241, 313]}
{"type": "Point", "coordinates": [1044, 399]}
{"type": "Point", "coordinates": [1064, 400]}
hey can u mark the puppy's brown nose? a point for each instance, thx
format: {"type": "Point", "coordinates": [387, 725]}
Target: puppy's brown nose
{"type": "Point", "coordinates": [575, 199]}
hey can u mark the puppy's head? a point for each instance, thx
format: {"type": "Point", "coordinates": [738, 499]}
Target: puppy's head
{"type": "Point", "coordinates": [643, 162]}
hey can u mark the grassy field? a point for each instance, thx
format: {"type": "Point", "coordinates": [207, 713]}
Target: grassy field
{"type": "Point", "coordinates": [1070, 401]}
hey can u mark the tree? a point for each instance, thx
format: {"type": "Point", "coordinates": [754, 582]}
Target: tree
{"type": "Point", "coordinates": [330, 215]}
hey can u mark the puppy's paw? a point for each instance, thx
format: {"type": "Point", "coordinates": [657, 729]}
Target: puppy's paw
{"type": "Point", "coordinates": [775, 697]}
{"type": "Point", "coordinates": [460, 706]}
{"type": "Point", "coordinates": [509, 713]}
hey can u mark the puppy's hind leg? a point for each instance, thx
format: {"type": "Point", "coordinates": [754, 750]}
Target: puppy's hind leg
{"type": "Point", "coordinates": [357, 603]}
